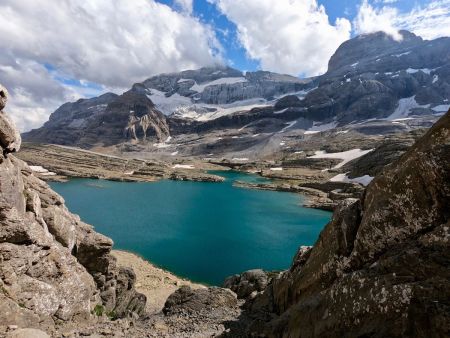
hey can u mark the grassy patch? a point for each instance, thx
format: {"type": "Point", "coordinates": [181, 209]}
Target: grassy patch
{"type": "Point", "coordinates": [98, 310]}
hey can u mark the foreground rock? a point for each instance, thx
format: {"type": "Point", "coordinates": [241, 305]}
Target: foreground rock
{"type": "Point", "coordinates": [54, 268]}
{"type": "Point", "coordinates": [155, 283]}
{"type": "Point", "coordinates": [381, 267]}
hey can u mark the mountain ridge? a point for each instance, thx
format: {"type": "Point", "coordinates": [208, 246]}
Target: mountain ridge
{"type": "Point", "coordinates": [393, 87]}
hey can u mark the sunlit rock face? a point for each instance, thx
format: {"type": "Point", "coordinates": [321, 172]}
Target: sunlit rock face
{"type": "Point", "coordinates": [54, 269]}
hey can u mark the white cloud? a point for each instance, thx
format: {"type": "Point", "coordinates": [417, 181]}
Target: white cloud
{"type": "Point", "coordinates": [430, 21]}
{"type": "Point", "coordinates": [385, 1]}
{"type": "Point", "coordinates": [288, 36]}
{"type": "Point", "coordinates": [186, 6]}
{"type": "Point", "coordinates": [370, 19]}
{"type": "Point", "coordinates": [109, 42]}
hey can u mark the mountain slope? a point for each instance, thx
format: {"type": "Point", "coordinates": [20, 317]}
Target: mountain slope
{"type": "Point", "coordinates": [401, 84]}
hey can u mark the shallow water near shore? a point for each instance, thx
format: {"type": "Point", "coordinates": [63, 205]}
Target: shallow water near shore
{"type": "Point", "coordinates": [201, 231]}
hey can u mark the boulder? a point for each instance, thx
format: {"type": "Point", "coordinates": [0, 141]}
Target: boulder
{"type": "Point", "coordinates": [10, 138]}
{"type": "Point", "coordinates": [245, 284]}
{"type": "Point", "coordinates": [3, 97]}
{"type": "Point", "coordinates": [188, 300]}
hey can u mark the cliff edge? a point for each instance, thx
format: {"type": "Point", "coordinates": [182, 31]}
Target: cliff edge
{"type": "Point", "coordinates": [55, 270]}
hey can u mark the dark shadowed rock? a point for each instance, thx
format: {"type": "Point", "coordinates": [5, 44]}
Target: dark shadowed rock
{"type": "Point", "coordinates": [248, 283]}
{"type": "Point", "coordinates": [380, 268]}
{"type": "Point", "coordinates": [189, 300]}
{"type": "Point", "coordinates": [10, 139]}
{"type": "Point", "coordinates": [3, 97]}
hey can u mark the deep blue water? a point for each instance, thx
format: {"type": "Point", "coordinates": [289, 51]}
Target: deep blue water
{"type": "Point", "coordinates": [202, 231]}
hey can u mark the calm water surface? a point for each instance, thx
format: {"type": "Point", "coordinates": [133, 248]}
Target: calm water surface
{"type": "Point", "coordinates": [202, 231]}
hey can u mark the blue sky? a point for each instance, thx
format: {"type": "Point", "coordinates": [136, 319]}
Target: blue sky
{"type": "Point", "coordinates": [88, 47]}
{"type": "Point", "coordinates": [226, 30]}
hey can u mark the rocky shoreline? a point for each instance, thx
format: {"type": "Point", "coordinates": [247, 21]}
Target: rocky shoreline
{"type": "Point", "coordinates": [155, 283]}
{"type": "Point", "coordinates": [59, 163]}
{"type": "Point", "coordinates": [314, 198]}
{"type": "Point", "coordinates": [68, 162]}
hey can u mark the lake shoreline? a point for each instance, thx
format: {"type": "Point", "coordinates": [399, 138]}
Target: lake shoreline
{"type": "Point", "coordinates": [154, 282]}
{"type": "Point", "coordinates": [196, 230]}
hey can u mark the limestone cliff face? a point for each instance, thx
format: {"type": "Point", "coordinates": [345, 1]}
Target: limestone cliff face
{"type": "Point", "coordinates": [381, 267]}
{"type": "Point", "coordinates": [105, 120]}
{"type": "Point", "coordinates": [54, 268]}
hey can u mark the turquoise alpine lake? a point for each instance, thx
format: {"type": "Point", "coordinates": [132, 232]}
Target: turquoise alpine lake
{"type": "Point", "coordinates": [198, 230]}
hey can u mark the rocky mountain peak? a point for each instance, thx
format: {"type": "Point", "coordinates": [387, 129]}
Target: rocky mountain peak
{"type": "Point", "coordinates": [370, 45]}
{"type": "Point", "coordinates": [371, 77]}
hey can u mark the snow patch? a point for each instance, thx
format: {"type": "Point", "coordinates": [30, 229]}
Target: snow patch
{"type": "Point", "coordinates": [225, 80]}
{"type": "Point", "coordinates": [399, 55]}
{"type": "Point", "coordinates": [319, 127]}
{"type": "Point", "coordinates": [345, 156]}
{"type": "Point", "coordinates": [164, 144]}
{"type": "Point", "coordinates": [413, 71]}
{"type": "Point", "coordinates": [183, 166]}
{"type": "Point", "coordinates": [364, 180]}
{"type": "Point", "coordinates": [441, 108]}
{"type": "Point", "coordinates": [276, 169]}
{"type": "Point", "coordinates": [168, 105]}
{"type": "Point", "coordinates": [289, 125]}
{"type": "Point", "coordinates": [184, 80]}
{"type": "Point", "coordinates": [239, 159]}
{"type": "Point", "coordinates": [41, 170]}
{"type": "Point", "coordinates": [404, 108]}
{"type": "Point", "coordinates": [281, 111]}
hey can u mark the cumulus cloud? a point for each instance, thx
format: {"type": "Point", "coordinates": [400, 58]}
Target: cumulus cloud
{"type": "Point", "coordinates": [430, 21]}
{"type": "Point", "coordinates": [288, 36]}
{"type": "Point", "coordinates": [186, 6]}
{"type": "Point", "coordinates": [112, 43]}
{"type": "Point", "coordinates": [370, 19]}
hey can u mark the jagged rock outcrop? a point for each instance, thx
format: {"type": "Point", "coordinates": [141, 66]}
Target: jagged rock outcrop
{"type": "Point", "coordinates": [54, 269]}
{"type": "Point", "coordinates": [248, 283]}
{"type": "Point", "coordinates": [369, 75]}
{"type": "Point", "coordinates": [381, 267]}
{"type": "Point", "coordinates": [105, 120]}
{"type": "Point", "coordinates": [10, 139]}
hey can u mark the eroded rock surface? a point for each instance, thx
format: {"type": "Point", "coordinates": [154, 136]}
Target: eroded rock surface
{"type": "Point", "coordinates": [381, 267]}
{"type": "Point", "coordinates": [54, 269]}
